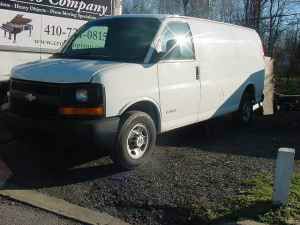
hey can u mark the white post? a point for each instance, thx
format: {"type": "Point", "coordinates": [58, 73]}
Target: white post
{"type": "Point", "coordinates": [283, 175]}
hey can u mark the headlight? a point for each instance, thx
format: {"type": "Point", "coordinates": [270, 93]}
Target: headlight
{"type": "Point", "coordinates": [82, 95]}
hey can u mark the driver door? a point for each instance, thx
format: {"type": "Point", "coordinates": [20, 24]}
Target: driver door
{"type": "Point", "coordinates": [179, 82]}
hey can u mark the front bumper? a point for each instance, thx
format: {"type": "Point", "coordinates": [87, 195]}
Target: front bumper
{"type": "Point", "coordinates": [99, 131]}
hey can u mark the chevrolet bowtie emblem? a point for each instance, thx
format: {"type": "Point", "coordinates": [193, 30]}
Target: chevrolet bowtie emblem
{"type": "Point", "coordinates": [30, 97]}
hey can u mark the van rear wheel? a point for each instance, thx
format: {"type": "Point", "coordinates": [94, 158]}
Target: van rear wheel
{"type": "Point", "coordinates": [136, 139]}
{"type": "Point", "coordinates": [245, 113]}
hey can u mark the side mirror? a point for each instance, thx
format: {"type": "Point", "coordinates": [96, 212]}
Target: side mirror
{"type": "Point", "coordinates": [171, 44]}
{"type": "Point", "coordinates": [157, 56]}
{"type": "Point", "coordinates": [160, 55]}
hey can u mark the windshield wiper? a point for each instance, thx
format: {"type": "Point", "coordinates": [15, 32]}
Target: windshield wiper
{"type": "Point", "coordinates": [96, 56]}
{"type": "Point", "coordinates": [57, 55]}
{"type": "Point", "coordinates": [87, 55]}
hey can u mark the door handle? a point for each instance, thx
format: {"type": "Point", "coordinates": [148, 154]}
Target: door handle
{"type": "Point", "coordinates": [197, 72]}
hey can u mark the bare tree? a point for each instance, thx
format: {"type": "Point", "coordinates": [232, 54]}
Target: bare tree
{"type": "Point", "coordinates": [253, 11]}
{"type": "Point", "coordinates": [291, 47]}
{"type": "Point", "coordinates": [273, 23]}
{"type": "Point", "coordinates": [266, 16]}
{"type": "Point", "coordinates": [199, 8]}
{"type": "Point", "coordinates": [230, 11]}
{"type": "Point", "coordinates": [196, 8]}
{"type": "Point", "coordinates": [171, 7]}
{"type": "Point", "coordinates": [185, 6]}
{"type": "Point", "coordinates": [138, 6]}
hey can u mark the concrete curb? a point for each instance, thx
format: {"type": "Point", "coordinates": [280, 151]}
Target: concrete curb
{"type": "Point", "coordinates": [61, 207]}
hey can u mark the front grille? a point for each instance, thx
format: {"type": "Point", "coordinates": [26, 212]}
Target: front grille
{"type": "Point", "coordinates": [49, 97]}
{"type": "Point", "coordinates": [45, 106]}
{"type": "Point", "coordinates": [32, 109]}
{"type": "Point", "coordinates": [36, 87]}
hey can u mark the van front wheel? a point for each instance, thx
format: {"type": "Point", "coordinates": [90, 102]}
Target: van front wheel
{"type": "Point", "coordinates": [136, 139]}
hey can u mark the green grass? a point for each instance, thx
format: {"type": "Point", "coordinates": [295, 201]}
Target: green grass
{"type": "Point", "coordinates": [256, 203]}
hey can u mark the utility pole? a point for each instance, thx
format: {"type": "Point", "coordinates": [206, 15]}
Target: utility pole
{"type": "Point", "coordinates": [117, 7]}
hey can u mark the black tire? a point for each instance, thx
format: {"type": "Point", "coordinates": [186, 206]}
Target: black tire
{"type": "Point", "coordinates": [4, 86]}
{"type": "Point", "coordinates": [135, 126]}
{"type": "Point", "coordinates": [275, 105]}
{"type": "Point", "coordinates": [244, 116]}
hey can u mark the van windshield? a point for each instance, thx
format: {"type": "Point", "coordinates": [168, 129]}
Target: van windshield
{"type": "Point", "coordinates": [117, 39]}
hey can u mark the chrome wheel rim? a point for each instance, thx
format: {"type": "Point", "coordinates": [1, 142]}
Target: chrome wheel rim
{"type": "Point", "coordinates": [137, 141]}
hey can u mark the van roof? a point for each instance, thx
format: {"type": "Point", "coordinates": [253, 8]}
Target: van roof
{"type": "Point", "coordinates": [166, 16]}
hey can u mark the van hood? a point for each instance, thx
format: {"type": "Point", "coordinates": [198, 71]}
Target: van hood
{"type": "Point", "coordinates": [62, 70]}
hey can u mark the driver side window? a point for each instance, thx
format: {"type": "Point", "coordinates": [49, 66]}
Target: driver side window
{"type": "Point", "coordinates": [176, 42]}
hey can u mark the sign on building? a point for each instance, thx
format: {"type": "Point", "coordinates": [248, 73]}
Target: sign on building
{"type": "Point", "coordinates": [44, 25]}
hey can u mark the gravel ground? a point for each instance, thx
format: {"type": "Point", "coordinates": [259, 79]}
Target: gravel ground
{"type": "Point", "coordinates": [13, 213]}
{"type": "Point", "coordinates": [199, 166]}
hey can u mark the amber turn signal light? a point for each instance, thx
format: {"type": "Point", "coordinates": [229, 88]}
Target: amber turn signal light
{"type": "Point", "coordinates": [71, 111]}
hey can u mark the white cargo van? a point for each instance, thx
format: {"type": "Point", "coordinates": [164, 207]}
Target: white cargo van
{"type": "Point", "coordinates": [122, 80]}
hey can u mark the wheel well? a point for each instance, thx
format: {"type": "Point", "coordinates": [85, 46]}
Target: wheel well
{"type": "Point", "coordinates": [150, 109]}
{"type": "Point", "coordinates": [250, 89]}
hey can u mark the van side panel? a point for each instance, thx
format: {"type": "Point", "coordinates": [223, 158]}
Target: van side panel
{"type": "Point", "coordinates": [251, 56]}
{"type": "Point", "coordinates": [230, 58]}
{"type": "Point", "coordinates": [246, 67]}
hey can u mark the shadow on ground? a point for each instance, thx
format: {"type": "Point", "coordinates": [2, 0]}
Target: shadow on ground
{"type": "Point", "coordinates": [39, 161]}
{"type": "Point", "coordinates": [262, 138]}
